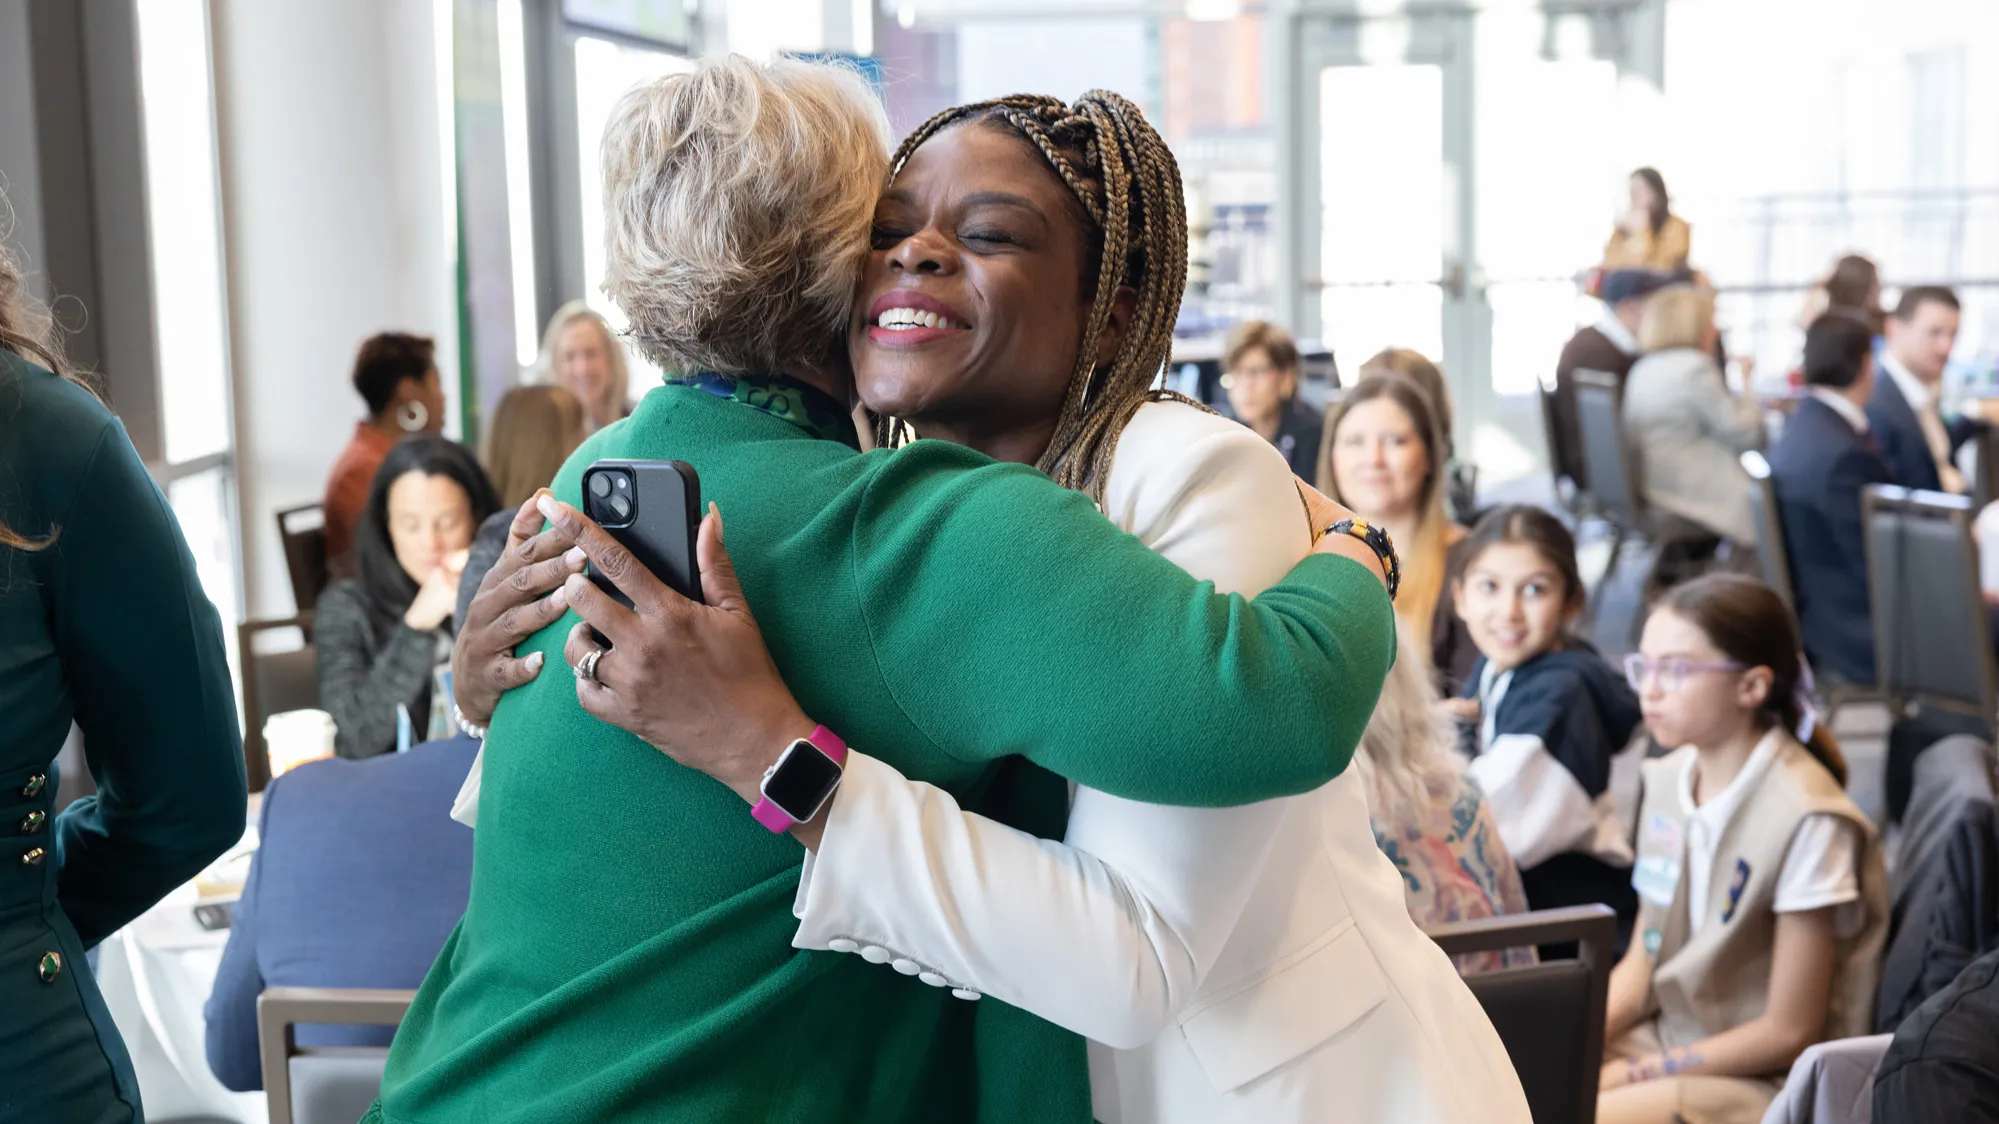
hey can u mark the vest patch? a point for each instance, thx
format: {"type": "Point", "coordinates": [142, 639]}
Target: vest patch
{"type": "Point", "coordinates": [1735, 887]}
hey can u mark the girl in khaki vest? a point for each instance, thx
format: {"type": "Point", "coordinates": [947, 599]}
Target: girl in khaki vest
{"type": "Point", "coordinates": [1762, 902]}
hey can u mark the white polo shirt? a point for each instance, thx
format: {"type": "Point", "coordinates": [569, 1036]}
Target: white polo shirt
{"type": "Point", "coordinates": [1820, 869]}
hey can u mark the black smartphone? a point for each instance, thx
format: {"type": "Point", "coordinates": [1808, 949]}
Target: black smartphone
{"type": "Point", "coordinates": [654, 509]}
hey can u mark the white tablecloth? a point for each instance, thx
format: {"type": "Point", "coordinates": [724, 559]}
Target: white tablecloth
{"type": "Point", "coordinates": [156, 974]}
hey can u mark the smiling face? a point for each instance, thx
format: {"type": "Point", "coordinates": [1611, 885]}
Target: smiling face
{"type": "Point", "coordinates": [1514, 603]}
{"type": "Point", "coordinates": [583, 364]}
{"type": "Point", "coordinates": [1380, 462]}
{"type": "Point", "coordinates": [973, 304]}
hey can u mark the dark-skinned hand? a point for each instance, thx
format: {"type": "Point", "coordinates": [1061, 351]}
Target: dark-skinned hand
{"type": "Point", "coordinates": [695, 681]}
{"type": "Point", "coordinates": [521, 595]}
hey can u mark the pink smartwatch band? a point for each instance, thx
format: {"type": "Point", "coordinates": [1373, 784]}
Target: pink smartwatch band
{"type": "Point", "coordinates": [777, 819]}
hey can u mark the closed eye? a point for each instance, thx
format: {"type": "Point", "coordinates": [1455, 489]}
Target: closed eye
{"type": "Point", "coordinates": [883, 237]}
{"type": "Point", "coordinates": [991, 237]}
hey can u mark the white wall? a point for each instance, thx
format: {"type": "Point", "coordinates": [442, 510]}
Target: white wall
{"type": "Point", "coordinates": [336, 226]}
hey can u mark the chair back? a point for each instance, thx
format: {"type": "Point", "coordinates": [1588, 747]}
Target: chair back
{"type": "Point", "coordinates": [323, 1086]}
{"type": "Point", "coordinates": [273, 683]}
{"type": "Point", "coordinates": [1773, 558]}
{"type": "Point", "coordinates": [1563, 461]}
{"type": "Point", "coordinates": [1607, 461]}
{"type": "Point", "coordinates": [303, 532]}
{"type": "Point", "coordinates": [1932, 634]}
{"type": "Point", "coordinates": [1549, 1015]}
{"type": "Point", "coordinates": [1985, 480]}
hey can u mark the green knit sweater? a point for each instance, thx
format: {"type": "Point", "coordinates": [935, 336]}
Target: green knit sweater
{"type": "Point", "coordinates": [626, 952]}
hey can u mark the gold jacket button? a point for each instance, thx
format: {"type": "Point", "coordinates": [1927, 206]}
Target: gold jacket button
{"type": "Point", "coordinates": [34, 857]}
{"type": "Point", "coordinates": [50, 967]}
{"type": "Point", "coordinates": [34, 786]}
{"type": "Point", "coordinates": [34, 822]}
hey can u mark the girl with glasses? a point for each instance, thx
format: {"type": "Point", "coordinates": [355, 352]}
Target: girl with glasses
{"type": "Point", "coordinates": [1762, 897]}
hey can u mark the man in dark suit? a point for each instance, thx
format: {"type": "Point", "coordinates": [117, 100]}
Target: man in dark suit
{"type": "Point", "coordinates": [1918, 443]}
{"type": "Point", "coordinates": [1819, 466]}
{"type": "Point", "coordinates": [1609, 345]}
{"type": "Point", "coordinates": [360, 876]}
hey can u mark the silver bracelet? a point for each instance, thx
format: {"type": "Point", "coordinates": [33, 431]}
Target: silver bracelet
{"type": "Point", "coordinates": [458, 716]}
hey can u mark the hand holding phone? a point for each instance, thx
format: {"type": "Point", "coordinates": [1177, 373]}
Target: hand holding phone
{"type": "Point", "coordinates": [653, 510]}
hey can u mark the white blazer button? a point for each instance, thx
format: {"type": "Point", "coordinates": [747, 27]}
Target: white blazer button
{"type": "Point", "coordinates": [842, 944]}
{"type": "Point", "coordinates": [876, 954]}
{"type": "Point", "coordinates": [907, 967]}
{"type": "Point", "coordinates": [961, 993]}
{"type": "Point", "coordinates": [933, 979]}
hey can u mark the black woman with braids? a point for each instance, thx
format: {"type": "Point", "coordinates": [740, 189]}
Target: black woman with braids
{"type": "Point", "coordinates": [977, 631]}
{"type": "Point", "coordinates": [1254, 963]}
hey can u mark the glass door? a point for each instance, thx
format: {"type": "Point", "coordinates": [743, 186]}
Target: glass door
{"type": "Point", "coordinates": [1451, 192]}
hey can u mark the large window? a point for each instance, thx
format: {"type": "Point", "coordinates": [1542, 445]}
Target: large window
{"type": "Point", "coordinates": [189, 318]}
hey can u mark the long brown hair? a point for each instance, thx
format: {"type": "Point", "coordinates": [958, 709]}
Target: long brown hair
{"type": "Point", "coordinates": [1128, 193]}
{"type": "Point", "coordinates": [534, 430]}
{"type": "Point", "coordinates": [1423, 559]}
{"type": "Point", "coordinates": [1749, 624]}
{"type": "Point", "coordinates": [1662, 204]}
{"type": "Point", "coordinates": [27, 330]}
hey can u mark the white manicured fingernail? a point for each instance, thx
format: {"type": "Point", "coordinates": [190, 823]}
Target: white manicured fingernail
{"type": "Point", "coordinates": [573, 556]}
{"type": "Point", "coordinates": [560, 597]}
{"type": "Point", "coordinates": [534, 662]}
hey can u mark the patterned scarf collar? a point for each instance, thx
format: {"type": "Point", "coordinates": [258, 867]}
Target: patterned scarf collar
{"type": "Point", "coordinates": [787, 399]}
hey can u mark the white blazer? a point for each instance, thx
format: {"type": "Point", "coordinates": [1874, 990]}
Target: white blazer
{"type": "Point", "coordinates": [1253, 964]}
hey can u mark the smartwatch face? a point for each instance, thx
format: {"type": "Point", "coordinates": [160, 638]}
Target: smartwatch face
{"type": "Point", "coordinates": [802, 781]}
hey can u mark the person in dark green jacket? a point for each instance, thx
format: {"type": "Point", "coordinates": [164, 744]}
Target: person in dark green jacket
{"type": "Point", "coordinates": [102, 623]}
{"type": "Point", "coordinates": [625, 953]}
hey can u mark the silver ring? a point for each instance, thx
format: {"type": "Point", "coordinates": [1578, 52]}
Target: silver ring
{"type": "Point", "coordinates": [586, 668]}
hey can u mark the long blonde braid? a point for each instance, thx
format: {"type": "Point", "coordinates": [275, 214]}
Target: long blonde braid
{"type": "Point", "coordinates": [1128, 184]}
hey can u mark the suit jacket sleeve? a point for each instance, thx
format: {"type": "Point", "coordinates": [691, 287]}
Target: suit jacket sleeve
{"type": "Point", "coordinates": [142, 650]}
{"type": "Point", "coordinates": [231, 1013]}
{"type": "Point", "coordinates": [1851, 473]}
{"type": "Point", "coordinates": [1110, 934]}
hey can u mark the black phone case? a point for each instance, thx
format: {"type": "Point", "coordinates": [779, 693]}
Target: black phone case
{"type": "Point", "coordinates": [666, 517]}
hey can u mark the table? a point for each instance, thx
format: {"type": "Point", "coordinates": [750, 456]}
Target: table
{"type": "Point", "coordinates": [156, 974]}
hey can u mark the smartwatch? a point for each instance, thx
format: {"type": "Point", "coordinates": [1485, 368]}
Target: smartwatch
{"type": "Point", "coordinates": [801, 781]}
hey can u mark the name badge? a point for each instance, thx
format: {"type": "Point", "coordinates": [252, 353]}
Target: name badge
{"type": "Point", "coordinates": [1656, 876]}
{"type": "Point", "coordinates": [1656, 879]}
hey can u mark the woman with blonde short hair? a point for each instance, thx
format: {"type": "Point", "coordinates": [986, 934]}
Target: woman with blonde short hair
{"type": "Point", "coordinates": [580, 353]}
{"type": "Point", "coordinates": [1689, 429]}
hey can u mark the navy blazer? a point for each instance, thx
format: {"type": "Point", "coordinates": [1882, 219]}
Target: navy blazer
{"type": "Point", "coordinates": [360, 876]}
{"type": "Point", "coordinates": [1900, 436]}
{"type": "Point", "coordinates": [1818, 467]}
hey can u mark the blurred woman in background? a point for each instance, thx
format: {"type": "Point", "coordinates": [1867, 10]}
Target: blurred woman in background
{"type": "Point", "coordinates": [1429, 816]}
{"type": "Point", "coordinates": [381, 636]}
{"type": "Point", "coordinates": [1649, 235]}
{"type": "Point", "coordinates": [1460, 479]}
{"type": "Point", "coordinates": [396, 376]}
{"type": "Point", "coordinates": [1262, 364]}
{"type": "Point", "coordinates": [580, 354]}
{"type": "Point", "coordinates": [103, 624]}
{"type": "Point", "coordinates": [1855, 285]}
{"type": "Point", "coordinates": [1383, 456]}
{"type": "Point", "coordinates": [1689, 429]}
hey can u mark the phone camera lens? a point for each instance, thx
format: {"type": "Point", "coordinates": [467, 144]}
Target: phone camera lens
{"type": "Point", "coordinates": [600, 484]}
{"type": "Point", "coordinates": [620, 506]}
